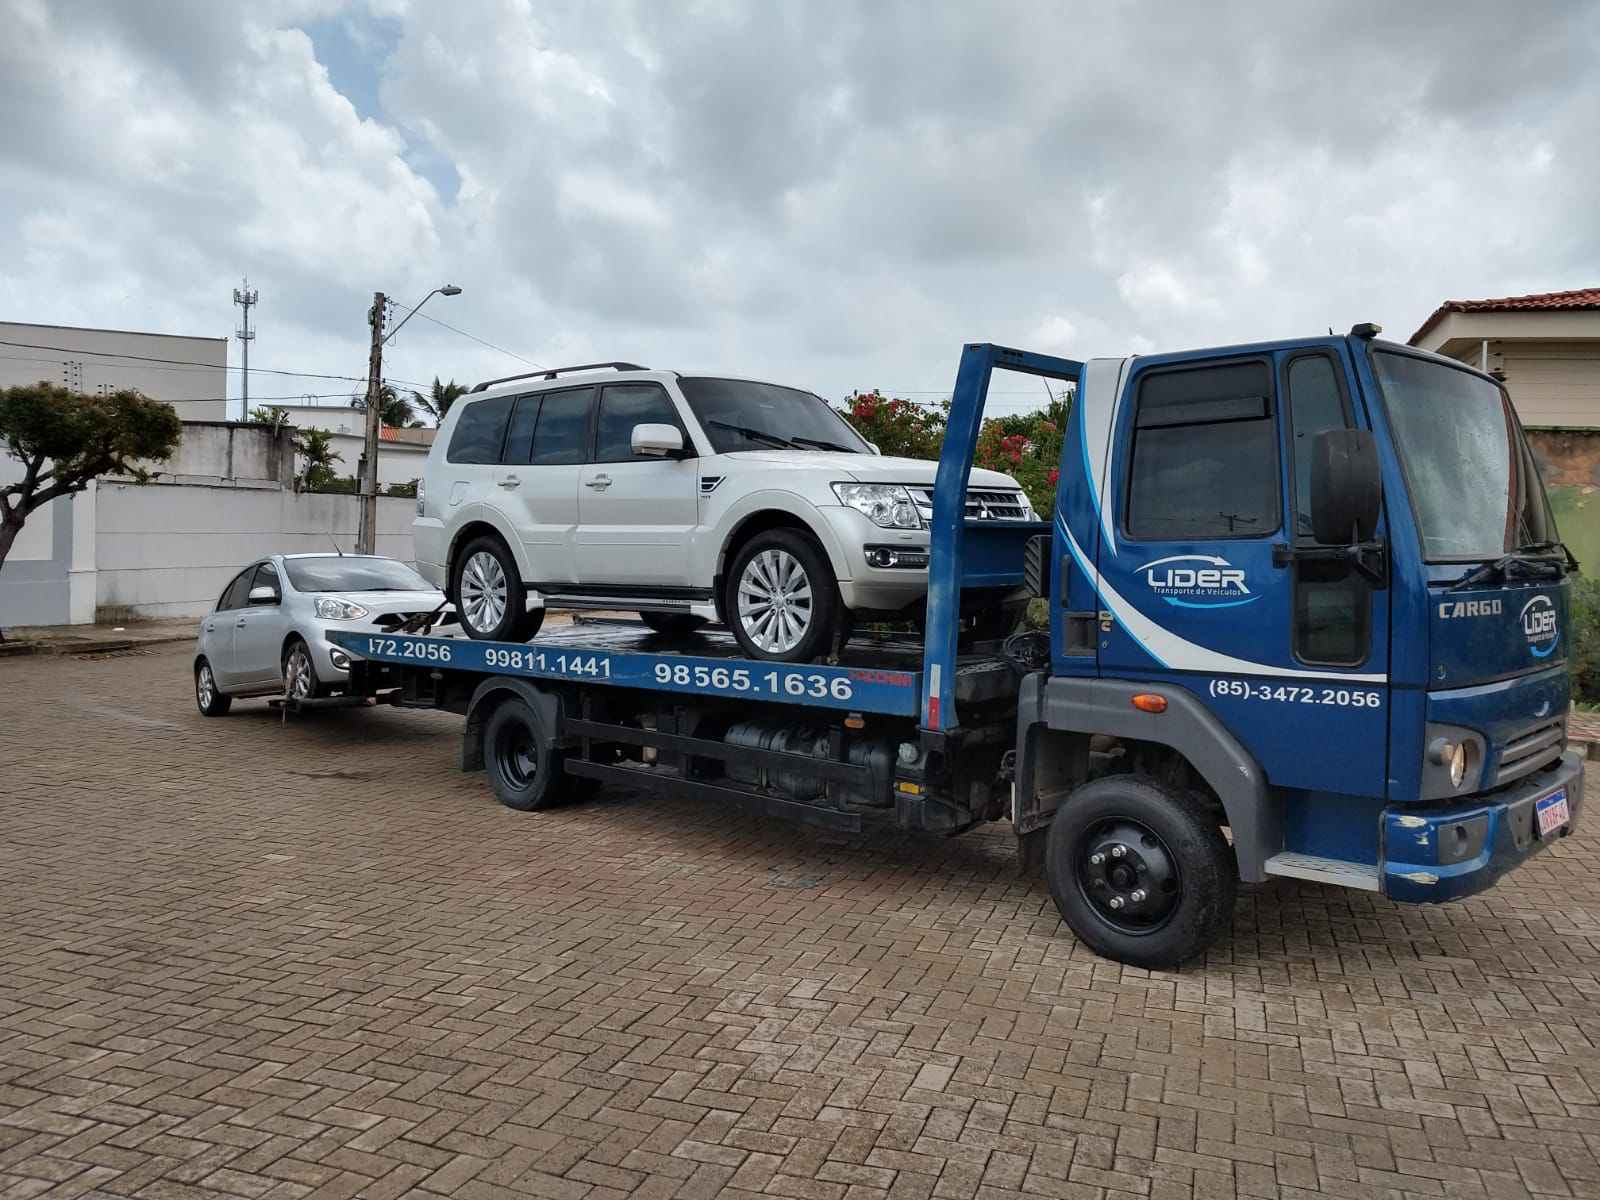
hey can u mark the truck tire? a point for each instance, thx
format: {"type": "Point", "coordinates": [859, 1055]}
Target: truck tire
{"type": "Point", "coordinates": [781, 599]}
{"type": "Point", "coordinates": [1140, 872]}
{"type": "Point", "coordinates": [672, 624]}
{"type": "Point", "coordinates": [523, 765]}
{"type": "Point", "coordinates": [490, 601]}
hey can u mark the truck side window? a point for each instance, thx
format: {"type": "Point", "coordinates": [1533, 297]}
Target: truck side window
{"type": "Point", "coordinates": [480, 431]}
{"type": "Point", "coordinates": [1205, 457]}
{"type": "Point", "coordinates": [1332, 602]}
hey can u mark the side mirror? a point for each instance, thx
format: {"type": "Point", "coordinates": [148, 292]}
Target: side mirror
{"type": "Point", "coordinates": [657, 441]}
{"type": "Point", "coordinates": [263, 595]}
{"type": "Point", "coordinates": [1346, 487]}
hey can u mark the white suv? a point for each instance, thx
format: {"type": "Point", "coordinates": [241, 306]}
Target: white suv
{"type": "Point", "coordinates": [686, 498]}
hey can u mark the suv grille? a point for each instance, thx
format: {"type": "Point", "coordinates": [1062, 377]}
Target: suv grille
{"type": "Point", "coordinates": [987, 504]}
{"type": "Point", "coordinates": [1530, 750]}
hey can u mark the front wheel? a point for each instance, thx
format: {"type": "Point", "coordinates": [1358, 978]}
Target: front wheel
{"type": "Point", "coordinates": [1140, 872]}
{"type": "Point", "coordinates": [300, 680]}
{"type": "Point", "coordinates": [491, 602]}
{"type": "Point", "coordinates": [207, 697]}
{"type": "Point", "coordinates": [781, 599]}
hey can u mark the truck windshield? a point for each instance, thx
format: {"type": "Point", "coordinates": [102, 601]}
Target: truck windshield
{"type": "Point", "coordinates": [738, 415]}
{"type": "Point", "coordinates": [1474, 488]}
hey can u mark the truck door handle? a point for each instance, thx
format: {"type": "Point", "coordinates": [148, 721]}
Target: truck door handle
{"type": "Point", "coordinates": [510, 481]}
{"type": "Point", "coordinates": [599, 482]}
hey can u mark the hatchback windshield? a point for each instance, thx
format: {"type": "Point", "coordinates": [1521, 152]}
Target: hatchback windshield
{"type": "Point", "coordinates": [353, 574]}
{"type": "Point", "coordinates": [763, 416]}
{"type": "Point", "coordinates": [1474, 488]}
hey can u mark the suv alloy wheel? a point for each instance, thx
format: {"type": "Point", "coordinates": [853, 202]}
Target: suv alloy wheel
{"type": "Point", "coordinates": [489, 597]}
{"type": "Point", "coordinates": [780, 597]}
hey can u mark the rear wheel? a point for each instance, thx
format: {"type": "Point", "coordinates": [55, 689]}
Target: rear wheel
{"type": "Point", "coordinates": [781, 599]}
{"type": "Point", "coordinates": [1140, 872]}
{"type": "Point", "coordinates": [523, 765]}
{"type": "Point", "coordinates": [491, 602]}
{"type": "Point", "coordinates": [207, 698]}
{"type": "Point", "coordinates": [672, 624]}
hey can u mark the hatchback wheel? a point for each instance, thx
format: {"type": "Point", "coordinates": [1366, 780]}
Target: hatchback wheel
{"type": "Point", "coordinates": [781, 598]}
{"type": "Point", "coordinates": [489, 596]}
{"type": "Point", "coordinates": [207, 698]}
{"type": "Point", "coordinates": [300, 680]}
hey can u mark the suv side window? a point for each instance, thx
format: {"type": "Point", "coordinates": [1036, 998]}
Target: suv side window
{"type": "Point", "coordinates": [563, 432]}
{"type": "Point", "coordinates": [519, 435]}
{"type": "Point", "coordinates": [1205, 457]}
{"type": "Point", "coordinates": [480, 431]}
{"type": "Point", "coordinates": [267, 576]}
{"type": "Point", "coordinates": [237, 593]}
{"type": "Point", "coordinates": [624, 405]}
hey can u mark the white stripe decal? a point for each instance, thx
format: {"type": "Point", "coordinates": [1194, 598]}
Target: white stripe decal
{"type": "Point", "coordinates": [1177, 653]}
{"type": "Point", "coordinates": [1102, 391]}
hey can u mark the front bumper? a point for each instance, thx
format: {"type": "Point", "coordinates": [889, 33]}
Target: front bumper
{"type": "Point", "coordinates": [1434, 854]}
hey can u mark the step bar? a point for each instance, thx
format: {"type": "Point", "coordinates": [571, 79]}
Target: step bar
{"type": "Point", "coordinates": [1336, 871]}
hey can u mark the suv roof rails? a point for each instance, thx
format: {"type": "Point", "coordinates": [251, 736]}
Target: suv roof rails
{"type": "Point", "coordinates": [554, 371]}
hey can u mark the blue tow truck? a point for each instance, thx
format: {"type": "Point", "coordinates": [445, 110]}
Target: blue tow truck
{"type": "Point", "coordinates": [1308, 617]}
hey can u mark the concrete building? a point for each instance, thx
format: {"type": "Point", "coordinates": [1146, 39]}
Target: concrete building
{"type": "Point", "coordinates": [1545, 346]}
{"type": "Point", "coordinates": [401, 452]}
{"type": "Point", "coordinates": [189, 373]}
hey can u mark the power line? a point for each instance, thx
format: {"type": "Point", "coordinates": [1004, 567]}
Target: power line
{"type": "Point", "coordinates": [191, 364]}
{"type": "Point", "coordinates": [474, 337]}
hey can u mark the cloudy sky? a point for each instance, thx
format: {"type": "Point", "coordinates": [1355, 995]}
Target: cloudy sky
{"type": "Point", "coordinates": [834, 195]}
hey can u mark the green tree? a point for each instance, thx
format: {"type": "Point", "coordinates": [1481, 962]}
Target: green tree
{"type": "Point", "coordinates": [394, 408]}
{"type": "Point", "coordinates": [64, 441]}
{"type": "Point", "coordinates": [317, 456]}
{"type": "Point", "coordinates": [438, 402]}
{"type": "Point", "coordinates": [269, 414]}
{"type": "Point", "coordinates": [896, 427]}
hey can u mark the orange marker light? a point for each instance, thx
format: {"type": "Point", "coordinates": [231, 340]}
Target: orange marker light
{"type": "Point", "coordinates": [1150, 702]}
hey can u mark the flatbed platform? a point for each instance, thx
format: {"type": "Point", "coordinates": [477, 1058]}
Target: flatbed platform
{"type": "Point", "coordinates": [874, 675]}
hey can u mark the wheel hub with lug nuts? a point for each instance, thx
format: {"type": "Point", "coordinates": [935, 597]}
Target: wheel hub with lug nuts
{"type": "Point", "coordinates": [1128, 875]}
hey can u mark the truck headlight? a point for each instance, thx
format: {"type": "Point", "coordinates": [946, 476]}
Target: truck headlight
{"type": "Point", "coordinates": [886, 505]}
{"type": "Point", "coordinates": [330, 609]}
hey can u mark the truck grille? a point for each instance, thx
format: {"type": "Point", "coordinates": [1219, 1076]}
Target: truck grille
{"type": "Point", "coordinates": [1531, 749]}
{"type": "Point", "coordinates": [988, 504]}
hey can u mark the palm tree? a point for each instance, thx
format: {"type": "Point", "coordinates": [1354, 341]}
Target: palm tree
{"type": "Point", "coordinates": [394, 408]}
{"type": "Point", "coordinates": [438, 404]}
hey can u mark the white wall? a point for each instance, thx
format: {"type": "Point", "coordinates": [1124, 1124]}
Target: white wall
{"type": "Point", "coordinates": [396, 463]}
{"type": "Point", "coordinates": [167, 550]}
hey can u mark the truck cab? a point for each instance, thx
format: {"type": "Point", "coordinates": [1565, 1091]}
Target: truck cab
{"type": "Point", "coordinates": [1314, 589]}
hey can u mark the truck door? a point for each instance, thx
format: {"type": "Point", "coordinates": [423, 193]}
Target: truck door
{"type": "Point", "coordinates": [1209, 486]}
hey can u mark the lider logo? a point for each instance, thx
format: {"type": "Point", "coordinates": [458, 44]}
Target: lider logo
{"type": "Point", "coordinates": [1198, 581]}
{"type": "Point", "coordinates": [1539, 626]}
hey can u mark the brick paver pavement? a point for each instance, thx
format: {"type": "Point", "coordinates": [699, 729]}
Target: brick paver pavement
{"type": "Point", "coordinates": [250, 958]}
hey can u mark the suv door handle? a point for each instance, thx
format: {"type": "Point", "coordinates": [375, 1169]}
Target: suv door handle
{"type": "Point", "coordinates": [510, 481]}
{"type": "Point", "coordinates": [599, 482]}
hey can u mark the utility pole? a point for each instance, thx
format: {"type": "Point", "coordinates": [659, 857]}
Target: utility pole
{"type": "Point", "coordinates": [244, 297]}
{"type": "Point", "coordinates": [367, 536]}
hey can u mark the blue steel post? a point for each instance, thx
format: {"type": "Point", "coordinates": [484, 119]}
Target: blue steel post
{"type": "Point", "coordinates": [945, 536]}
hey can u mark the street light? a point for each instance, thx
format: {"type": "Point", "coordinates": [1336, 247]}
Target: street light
{"type": "Point", "coordinates": [448, 289]}
{"type": "Point", "coordinates": [367, 530]}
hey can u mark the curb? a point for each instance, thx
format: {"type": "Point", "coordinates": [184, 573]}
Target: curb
{"type": "Point", "coordinates": [102, 646]}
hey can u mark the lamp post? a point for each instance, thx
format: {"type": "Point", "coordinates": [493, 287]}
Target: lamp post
{"type": "Point", "coordinates": [367, 533]}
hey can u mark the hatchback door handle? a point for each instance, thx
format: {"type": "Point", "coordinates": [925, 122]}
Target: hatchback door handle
{"type": "Point", "coordinates": [240, 623]}
{"type": "Point", "coordinates": [599, 482]}
{"type": "Point", "coordinates": [510, 481]}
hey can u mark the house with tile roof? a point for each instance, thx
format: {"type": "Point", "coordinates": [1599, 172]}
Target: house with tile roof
{"type": "Point", "coordinates": [1545, 346]}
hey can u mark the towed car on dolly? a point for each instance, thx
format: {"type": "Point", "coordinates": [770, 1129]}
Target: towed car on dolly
{"type": "Point", "coordinates": [268, 634]}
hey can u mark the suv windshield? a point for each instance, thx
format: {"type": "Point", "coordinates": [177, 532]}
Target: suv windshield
{"type": "Point", "coordinates": [353, 573]}
{"type": "Point", "coordinates": [737, 415]}
{"type": "Point", "coordinates": [1474, 487]}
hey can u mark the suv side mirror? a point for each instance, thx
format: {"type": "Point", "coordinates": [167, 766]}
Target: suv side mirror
{"type": "Point", "coordinates": [657, 441]}
{"type": "Point", "coordinates": [1346, 487]}
{"type": "Point", "coordinates": [263, 595]}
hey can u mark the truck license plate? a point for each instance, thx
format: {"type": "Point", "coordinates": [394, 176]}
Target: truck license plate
{"type": "Point", "coordinates": [1552, 812]}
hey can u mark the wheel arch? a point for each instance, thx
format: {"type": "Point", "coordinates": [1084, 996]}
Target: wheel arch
{"type": "Point", "coordinates": [1058, 718]}
{"type": "Point", "coordinates": [759, 520]}
{"type": "Point", "coordinates": [489, 695]}
{"type": "Point", "coordinates": [484, 525]}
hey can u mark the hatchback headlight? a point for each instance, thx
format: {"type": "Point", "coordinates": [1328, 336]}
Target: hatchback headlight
{"type": "Point", "coordinates": [330, 609]}
{"type": "Point", "coordinates": [886, 505]}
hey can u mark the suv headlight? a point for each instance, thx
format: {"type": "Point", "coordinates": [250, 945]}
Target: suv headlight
{"type": "Point", "coordinates": [330, 609]}
{"type": "Point", "coordinates": [886, 505]}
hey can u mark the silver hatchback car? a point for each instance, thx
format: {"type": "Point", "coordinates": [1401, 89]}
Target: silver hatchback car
{"type": "Point", "coordinates": [268, 632]}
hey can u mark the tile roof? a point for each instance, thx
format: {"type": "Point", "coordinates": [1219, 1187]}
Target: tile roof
{"type": "Point", "coordinates": [1581, 298]}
